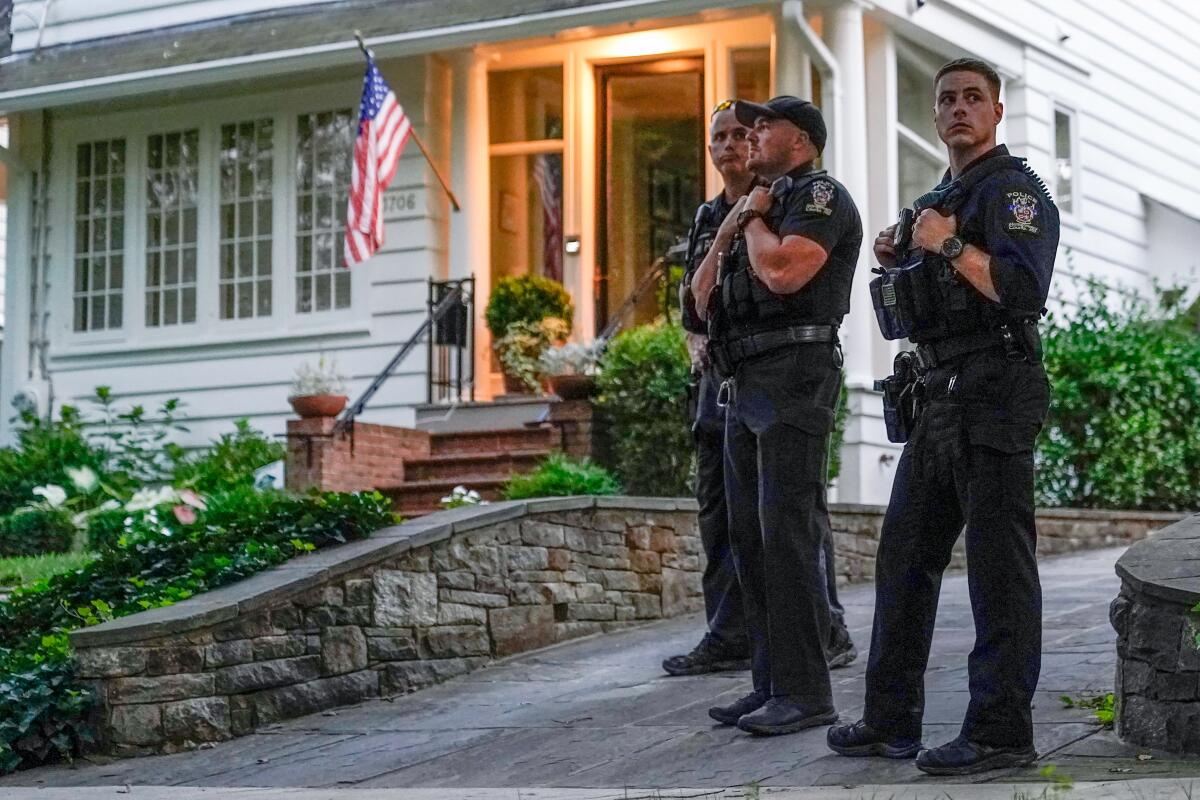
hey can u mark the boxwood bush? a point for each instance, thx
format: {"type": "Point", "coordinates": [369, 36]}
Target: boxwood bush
{"type": "Point", "coordinates": [36, 531]}
{"type": "Point", "coordinates": [1124, 424]}
{"type": "Point", "coordinates": [642, 403]}
{"type": "Point", "coordinates": [526, 298]}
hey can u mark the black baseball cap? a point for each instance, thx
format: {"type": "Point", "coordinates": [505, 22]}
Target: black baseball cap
{"type": "Point", "coordinates": [801, 113]}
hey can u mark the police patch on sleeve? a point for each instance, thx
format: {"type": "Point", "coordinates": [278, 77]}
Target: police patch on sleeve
{"type": "Point", "coordinates": [1024, 209]}
{"type": "Point", "coordinates": [822, 195]}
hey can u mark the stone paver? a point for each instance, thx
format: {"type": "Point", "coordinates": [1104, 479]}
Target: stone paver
{"type": "Point", "coordinates": [598, 713]}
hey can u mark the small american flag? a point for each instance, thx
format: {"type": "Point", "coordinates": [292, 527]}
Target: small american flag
{"type": "Point", "coordinates": [383, 129]}
{"type": "Point", "coordinates": [547, 173]}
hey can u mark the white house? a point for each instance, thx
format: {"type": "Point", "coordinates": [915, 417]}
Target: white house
{"type": "Point", "coordinates": [176, 169]}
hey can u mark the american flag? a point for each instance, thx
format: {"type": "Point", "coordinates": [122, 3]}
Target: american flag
{"type": "Point", "coordinates": [383, 129]}
{"type": "Point", "coordinates": [547, 173]}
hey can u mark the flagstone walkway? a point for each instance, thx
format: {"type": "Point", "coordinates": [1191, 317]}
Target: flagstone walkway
{"type": "Point", "coordinates": [599, 713]}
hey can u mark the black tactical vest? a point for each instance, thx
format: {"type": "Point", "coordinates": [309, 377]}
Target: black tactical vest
{"type": "Point", "coordinates": [748, 306]}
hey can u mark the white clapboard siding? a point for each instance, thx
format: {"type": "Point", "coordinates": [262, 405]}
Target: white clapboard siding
{"type": "Point", "coordinates": [1137, 118]}
{"type": "Point", "coordinates": [70, 21]}
{"type": "Point", "coordinates": [3, 255]}
{"type": "Point", "coordinates": [220, 378]}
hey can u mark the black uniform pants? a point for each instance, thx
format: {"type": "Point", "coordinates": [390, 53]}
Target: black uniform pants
{"type": "Point", "coordinates": [968, 462]}
{"type": "Point", "coordinates": [777, 428]}
{"type": "Point", "coordinates": [722, 595]}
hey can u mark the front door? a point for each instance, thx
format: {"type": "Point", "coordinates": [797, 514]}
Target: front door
{"type": "Point", "coordinates": [651, 175]}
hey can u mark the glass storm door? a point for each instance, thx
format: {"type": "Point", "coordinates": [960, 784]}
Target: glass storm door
{"type": "Point", "coordinates": [651, 174]}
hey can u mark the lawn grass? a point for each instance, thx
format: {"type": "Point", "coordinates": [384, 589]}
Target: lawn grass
{"type": "Point", "coordinates": [27, 569]}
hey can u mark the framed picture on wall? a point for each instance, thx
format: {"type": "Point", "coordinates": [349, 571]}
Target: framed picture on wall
{"type": "Point", "coordinates": [510, 213]}
{"type": "Point", "coordinates": [664, 194]}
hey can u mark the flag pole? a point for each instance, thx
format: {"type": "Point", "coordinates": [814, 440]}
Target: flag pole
{"type": "Point", "coordinates": [362, 45]}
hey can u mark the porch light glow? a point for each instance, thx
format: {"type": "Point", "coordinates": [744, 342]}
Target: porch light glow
{"type": "Point", "coordinates": [571, 245]}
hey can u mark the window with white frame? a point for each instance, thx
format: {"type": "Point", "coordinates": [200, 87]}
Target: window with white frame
{"type": "Point", "coordinates": [99, 285]}
{"type": "Point", "coordinates": [1064, 160]}
{"type": "Point", "coordinates": [172, 199]}
{"type": "Point", "coordinates": [921, 156]}
{"type": "Point", "coordinates": [245, 219]}
{"type": "Point", "coordinates": [324, 142]}
{"type": "Point", "coordinates": [214, 194]}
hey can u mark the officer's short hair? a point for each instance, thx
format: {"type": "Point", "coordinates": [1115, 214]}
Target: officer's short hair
{"type": "Point", "coordinates": [973, 65]}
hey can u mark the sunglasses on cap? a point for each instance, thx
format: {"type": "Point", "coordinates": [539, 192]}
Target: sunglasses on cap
{"type": "Point", "coordinates": [724, 105]}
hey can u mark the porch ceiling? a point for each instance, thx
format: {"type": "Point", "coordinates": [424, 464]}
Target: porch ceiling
{"type": "Point", "coordinates": [274, 42]}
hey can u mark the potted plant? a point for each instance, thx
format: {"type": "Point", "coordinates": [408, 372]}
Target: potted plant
{"type": "Point", "coordinates": [318, 391]}
{"type": "Point", "coordinates": [571, 369]}
{"type": "Point", "coordinates": [520, 351]}
{"type": "Point", "coordinates": [515, 312]}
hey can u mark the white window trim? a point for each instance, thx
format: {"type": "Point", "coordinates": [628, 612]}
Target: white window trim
{"type": "Point", "coordinates": [1074, 217]}
{"type": "Point", "coordinates": [208, 329]}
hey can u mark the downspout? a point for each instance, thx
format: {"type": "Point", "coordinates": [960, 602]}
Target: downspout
{"type": "Point", "coordinates": [831, 85]}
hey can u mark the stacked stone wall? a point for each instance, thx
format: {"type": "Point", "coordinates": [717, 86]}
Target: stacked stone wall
{"type": "Point", "coordinates": [1158, 649]}
{"type": "Point", "coordinates": [319, 632]}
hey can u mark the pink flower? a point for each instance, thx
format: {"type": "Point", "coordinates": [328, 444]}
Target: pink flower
{"type": "Point", "coordinates": [185, 514]}
{"type": "Point", "coordinates": [192, 499]}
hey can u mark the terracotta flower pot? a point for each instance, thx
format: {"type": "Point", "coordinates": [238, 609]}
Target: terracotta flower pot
{"type": "Point", "coordinates": [573, 387]}
{"type": "Point", "coordinates": [319, 405]}
{"type": "Point", "coordinates": [514, 385]}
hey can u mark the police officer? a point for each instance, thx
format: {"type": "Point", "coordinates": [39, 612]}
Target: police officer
{"type": "Point", "coordinates": [774, 295]}
{"type": "Point", "coordinates": [989, 238]}
{"type": "Point", "coordinates": [725, 646]}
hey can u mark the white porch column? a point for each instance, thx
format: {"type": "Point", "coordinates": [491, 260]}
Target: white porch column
{"type": "Point", "coordinates": [793, 68]}
{"type": "Point", "coordinates": [469, 234]}
{"type": "Point", "coordinates": [843, 33]}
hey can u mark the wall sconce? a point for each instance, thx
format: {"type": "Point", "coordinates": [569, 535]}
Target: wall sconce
{"type": "Point", "coordinates": [571, 245]}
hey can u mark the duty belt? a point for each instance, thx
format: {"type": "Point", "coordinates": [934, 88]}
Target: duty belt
{"type": "Point", "coordinates": [726, 355]}
{"type": "Point", "coordinates": [931, 354]}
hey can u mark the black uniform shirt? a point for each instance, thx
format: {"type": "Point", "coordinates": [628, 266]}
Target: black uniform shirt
{"type": "Point", "coordinates": [824, 213]}
{"type": "Point", "coordinates": [1009, 217]}
{"type": "Point", "coordinates": [700, 240]}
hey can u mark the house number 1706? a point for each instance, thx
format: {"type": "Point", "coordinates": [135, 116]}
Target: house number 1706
{"type": "Point", "coordinates": [399, 203]}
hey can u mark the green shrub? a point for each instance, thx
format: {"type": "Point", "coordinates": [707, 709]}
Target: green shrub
{"type": "Point", "coordinates": [526, 298]}
{"type": "Point", "coordinates": [36, 531]}
{"type": "Point", "coordinates": [43, 452]}
{"type": "Point", "coordinates": [230, 462]}
{"type": "Point", "coordinates": [105, 529]}
{"type": "Point", "coordinates": [156, 561]}
{"type": "Point", "coordinates": [1124, 424]}
{"type": "Point", "coordinates": [560, 476]}
{"type": "Point", "coordinates": [642, 402]}
{"type": "Point", "coordinates": [839, 433]}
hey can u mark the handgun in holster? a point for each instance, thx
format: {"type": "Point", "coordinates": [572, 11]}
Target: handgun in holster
{"type": "Point", "coordinates": [902, 393]}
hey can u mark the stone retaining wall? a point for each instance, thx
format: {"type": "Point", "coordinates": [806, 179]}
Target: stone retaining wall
{"type": "Point", "coordinates": [1158, 652]}
{"type": "Point", "coordinates": [431, 599]}
{"type": "Point", "coordinates": [412, 605]}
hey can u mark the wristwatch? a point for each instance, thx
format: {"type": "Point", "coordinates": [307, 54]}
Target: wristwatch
{"type": "Point", "coordinates": [951, 248]}
{"type": "Point", "coordinates": [747, 214]}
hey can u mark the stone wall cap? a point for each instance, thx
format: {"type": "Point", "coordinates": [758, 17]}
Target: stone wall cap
{"type": "Point", "coordinates": [1166, 564]}
{"type": "Point", "coordinates": [546, 505]}
{"type": "Point", "coordinates": [638, 503]}
{"type": "Point", "coordinates": [1108, 513]}
{"type": "Point", "coordinates": [856, 508]}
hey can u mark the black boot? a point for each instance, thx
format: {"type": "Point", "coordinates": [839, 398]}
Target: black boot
{"type": "Point", "coordinates": [708, 656]}
{"type": "Point", "coordinates": [964, 757]}
{"type": "Point", "coordinates": [781, 714]}
{"type": "Point", "coordinates": [860, 739]}
{"type": "Point", "coordinates": [841, 652]}
{"type": "Point", "coordinates": [730, 714]}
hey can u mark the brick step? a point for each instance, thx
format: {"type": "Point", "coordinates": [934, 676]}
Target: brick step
{"type": "Point", "coordinates": [450, 466]}
{"type": "Point", "coordinates": [414, 498]}
{"type": "Point", "coordinates": [504, 440]}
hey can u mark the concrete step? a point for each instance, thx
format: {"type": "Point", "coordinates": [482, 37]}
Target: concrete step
{"type": "Point", "coordinates": [500, 440]}
{"type": "Point", "coordinates": [451, 465]}
{"type": "Point", "coordinates": [506, 411]}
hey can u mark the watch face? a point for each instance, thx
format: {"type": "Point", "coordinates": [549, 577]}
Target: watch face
{"type": "Point", "coordinates": [952, 247]}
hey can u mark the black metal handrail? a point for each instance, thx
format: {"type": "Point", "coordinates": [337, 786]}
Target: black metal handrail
{"type": "Point", "coordinates": [659, 271]}
{"type": "Point", "coordinates": [450, 358]}
{"type": "Point", "coordinates": [448, 302]}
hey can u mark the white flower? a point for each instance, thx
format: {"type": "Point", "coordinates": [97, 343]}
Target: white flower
{"type": "Point", "coordinates": [109, 505]}
{"type": "Point", "coordinates": [54, 495]}
{"type": "Point", "coordinates": [83, 477]}
{"type": "Point", "coordinates": [148, 498]}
